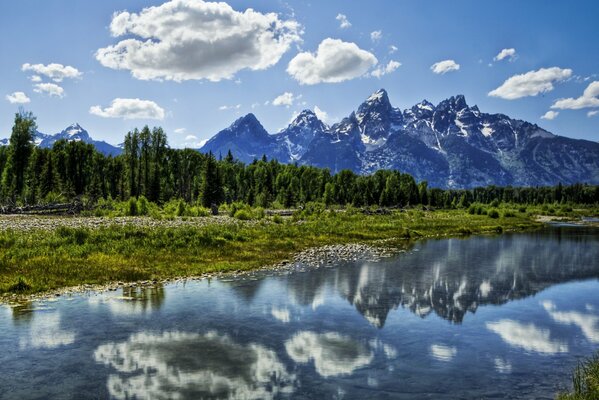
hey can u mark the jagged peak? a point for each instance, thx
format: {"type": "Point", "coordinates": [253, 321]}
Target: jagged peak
{"type": "Point", "coordinates": [424, 105]}
{"type": "Point", "coordinates": [378, 97]}
{"type": "Point", "coordinates": [456, 103]}
{"type": "Point", "coordinates": [248, 119]}
{"type": "Point", "coordinates": [307, 118]}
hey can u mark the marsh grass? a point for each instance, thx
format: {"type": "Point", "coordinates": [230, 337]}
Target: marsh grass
{"type": "Point", "coordinates": [585, 381]}
{"type": "Point", "coordinates": [47, 260]}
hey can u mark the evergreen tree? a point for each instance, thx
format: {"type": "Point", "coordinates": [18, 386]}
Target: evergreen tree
{"type": "Point", "coordinates": [211, 189]}
{"type": "Point", "coordinates": [20, 149]}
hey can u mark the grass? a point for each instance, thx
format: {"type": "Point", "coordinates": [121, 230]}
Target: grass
{"type": "Point", "coordinates": [585, 381]}
{"type": "Point", "coordinates": [38, 261]}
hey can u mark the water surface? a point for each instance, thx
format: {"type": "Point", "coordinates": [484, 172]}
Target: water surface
{"type": "Point", "coordinates": [485, 317]}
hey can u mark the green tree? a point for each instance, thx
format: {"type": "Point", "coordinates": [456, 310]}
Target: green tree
{"type": "Point", "coordinates": [20, 149]}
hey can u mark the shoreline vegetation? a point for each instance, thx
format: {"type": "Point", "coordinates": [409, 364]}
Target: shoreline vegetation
{"type": "Point", "coordinates": [48, 255]}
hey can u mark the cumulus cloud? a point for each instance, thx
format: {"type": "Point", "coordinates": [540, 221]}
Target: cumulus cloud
{"type": "Point", "coordinates": [51, 89]}
{"type": "Point", "coordinates": [592, 113]}
{"type": "Point", "coordinates": [510, 54]}
{"type": "Point", "coordinates": [531, 83]}
{"type": "Point", "coordinates": [333, 354]}
{"type": "Point", "coordinates": [343, 22]}
{"type": "Point", "coordinates": [589, 99]}
{"type": "Point", "coordinates": [385, 69]}
{"type": "Point", "coordinates": [179, 364]}
{"type": "Point", "coordinates": [35, 78]}
{"type": "Point", "coordinates": [445, 66]}
{"type": "Point", "coordinates": [334, 61]}
{"type": "Point", "coordinates": [193, 39]}
{"type": "Point", "coordinates": [191, 138]}
{"type": "Point", "coordinates": [130, 109]}
{"type": "Point", "coordinates": [375, 36]}
{"type": "Point", "coordinates": [526, 336]}
{"type": "Point", "coordinates": [392, 49]}
{"type": "Point", "coordinates": [550, 115]}
{"type": "Point", "coordinates": [17, 98]}
{"type": "Point", "coordinates": [286, 99]}
{"type": "Point", "coordinates": [54, 71]}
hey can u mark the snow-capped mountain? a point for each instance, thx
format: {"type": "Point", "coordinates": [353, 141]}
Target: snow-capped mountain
{"type": "Point", "coordinates": [72, 132]}
{"type": "Point", "coordinates": [449, 145]}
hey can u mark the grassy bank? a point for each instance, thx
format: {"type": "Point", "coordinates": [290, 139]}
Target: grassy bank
{"type": "Point", "coordinates": [41, 260]}
{"type": "Point", "coordinates": [585, 381]}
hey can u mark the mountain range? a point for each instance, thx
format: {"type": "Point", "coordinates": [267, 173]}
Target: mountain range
{"type": "Point", "coordinates": [72, 132]}
{"type": "Point", "coordinates": [450, 145]}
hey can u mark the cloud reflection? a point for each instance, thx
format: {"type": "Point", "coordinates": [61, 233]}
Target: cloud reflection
{"type": "Point", "coordinates": [588, 323]}
{"type": "Point", "coordinates": [333, 354]}
{"type": "Point", "coordinates": [443, 353]}
{"type": "Point", "coordinates": [45, 333]}
{"type": "Point", "coordinates": [177, 365]}
{"type": "Point", "coordinates": [527, 336]}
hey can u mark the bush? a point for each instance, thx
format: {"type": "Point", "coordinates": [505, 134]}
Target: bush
{"type": "Point", "coordinates": [508, 214]}
{"type": "Point", "coordinates": [522, 209]}
{"type": "Point", "coordinates": [277, 219]}
{"type": "Point", "coordinates": [142, 206]}
{"type": "Point", "coordinates": [493, 214]}
{"type": "Point", "coordinates": [495, 203]}
{"type": "Point", "coordinates": [21, 286]}
{"type": "Point", "coordinates": [181, 208]}
{"type": "Point", "coordinates": [472, 209]}
{"type": "Point", "coordinates": [132, 207]}
{"type": "Point", "coordinates": [243, 215]}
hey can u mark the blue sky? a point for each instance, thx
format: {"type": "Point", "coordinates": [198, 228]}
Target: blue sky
{"type": "Point", "coordinates": [195, 77]}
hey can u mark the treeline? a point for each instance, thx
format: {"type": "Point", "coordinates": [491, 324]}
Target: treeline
{"type": "Point", "coordinates": [149, 168]}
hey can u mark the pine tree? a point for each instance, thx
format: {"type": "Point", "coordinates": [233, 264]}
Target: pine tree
{"type": "Point", "coordinates": [211, 191]}
{"type": "Point", "coordinates": [20, 149]}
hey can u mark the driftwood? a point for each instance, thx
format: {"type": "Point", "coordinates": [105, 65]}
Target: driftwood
{"type": "Point", "coordinates": [45, 209]}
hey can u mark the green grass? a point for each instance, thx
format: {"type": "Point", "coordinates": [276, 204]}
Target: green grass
{"type": "Point", "coordinates": [585, 381]}
{"type": "Point", "coordinates": [37, 261]}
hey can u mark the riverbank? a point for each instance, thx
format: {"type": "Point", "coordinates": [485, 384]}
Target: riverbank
{"type": "Point", "coordinates": [46, 255]}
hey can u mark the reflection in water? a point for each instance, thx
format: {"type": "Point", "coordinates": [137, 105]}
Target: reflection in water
{"type": "Point", "coordinates": [190, 365]}
{"type": "Point", "coordinates": [588, 323]}
{"type": "Point", "coordinates": [443, 353]}
{"type": "Point", "coordinates": [452, 277]}
{"type": "Point", "coordinates": [333, 354]}
{"type": "Point", "coordinates": [502, 366]}
{"type": "Point", "coordinates": [45, 333]}
{"type": "Point", "coordinates": [527, 336]}
{"type": "Point", "coordinates": [282, 314]}
{"type": "Point", "coordinates": [134, 300]}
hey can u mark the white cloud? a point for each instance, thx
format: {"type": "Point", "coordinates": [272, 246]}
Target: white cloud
{"type": "Point", "coordinates": [50, 89]}
{"type": "Point", "coordinates": [550, 115]}
{"type": "Point", "coordinates": [281, 314]}
{"type": "Point", "coordinates": [193, 39]}
{"type": "Point", "coordinates": [445, 66]}
{"type": "Point", "coordinates": [191, 138]}
{"type": "Point", "coordinates": [506, 53]}
{"type": "Point", "coordinates": [333, 354]}
{"type": "Point", "coordinates": [56, 72]}
{"type": "Point", "coordinates": [592, 113]}
{"type": "Point", "coordinates": [589, 99]}
{"type": "Point", "coordinates": [334, 61]}
{"type": "Point", "coordinates": [46, 333]}
{"type": "Point", "coordinates": [343, 22]}
{"type": "Point", "coordinates": [531, 83]}
{"type": "Point", "coordinates": [392, 49]}
{"type": "Point", "coordinates": [180, 131]}
{"type": "Point", "coordinates": [386, 69]}
{"type": "Point", "coordinates": [526, 336]}
{"type": "Point", "coordinates": [443, 353]}
{"type": "Point", "coordinates": [375, 36]}
{"type": "Point", "coordinates": [130, 109]}
{"type": "Point", "coordinates": [177, 364]}
{"type": "Point", "coordinates": [286, 99]}
{"type": "Point", "coordinates": [322, 115]}
{"type": "Point", "coordinates": [233, 107]}
{"type": "Point", "coordinates": [35, 78]}
{"type": "Point", "coordinates": [17, 98]}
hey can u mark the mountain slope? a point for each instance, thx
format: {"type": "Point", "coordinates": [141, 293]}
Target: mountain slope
{"type": "Point", "coordinates": [449, 145]}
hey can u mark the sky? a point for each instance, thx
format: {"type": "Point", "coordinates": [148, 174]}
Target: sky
{"type": "Point", "coordinates": [193, 67]}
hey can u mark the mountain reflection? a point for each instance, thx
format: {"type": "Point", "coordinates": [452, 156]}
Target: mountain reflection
{"type": "Point", "coordinates": [453, 276]}
{"type": "Point", "coordinates": [192, 365]}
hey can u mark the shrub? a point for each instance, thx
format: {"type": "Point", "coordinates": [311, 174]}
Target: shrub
{"type": "Point", "coordinates": [259, 213]}
{"type": "Point", "coordinates": [472, 209]}
{"type": "Point", "coordinates": [493, 214]}
{"type": "Point", "coordinates": [142, 206]}
{"type": "Point", "coordinates": [132, 207]}
{"type": "Point", "coordinates": [522, 209]}
{"type": "Point", "coordinates": [495, 203]}
{"type": "Point", "coordinates": [277, 219]}
{"type": "Point", "coordinates": [21, 286]}
{"type": "Point", "coordinates": [243, 215]}
{"type": "Point", "coordinates": [508, 214]}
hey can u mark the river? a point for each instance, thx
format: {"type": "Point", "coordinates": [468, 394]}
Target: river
{"type": "Point", "coordinates": [484, 317]}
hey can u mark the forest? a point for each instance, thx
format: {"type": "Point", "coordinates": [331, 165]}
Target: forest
{"type": "Point", "coordinates": [149, 168]}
